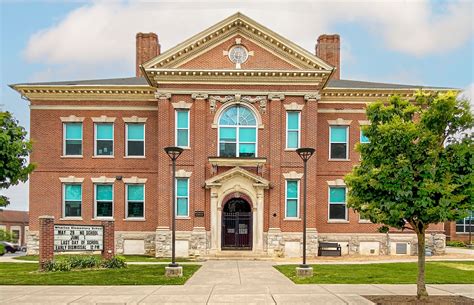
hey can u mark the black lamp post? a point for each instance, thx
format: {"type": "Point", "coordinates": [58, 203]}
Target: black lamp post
{"type": "Point", "coordinates": [173, 153]}
{"type": "Point", "coordinates": [305, 154]}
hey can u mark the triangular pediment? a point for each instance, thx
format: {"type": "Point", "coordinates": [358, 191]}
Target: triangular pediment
{"type": "Point", "coordinates": [237, 25]}
{"type": "Point", "coordinates": [272, 59]}
{"type": "Point", "coordinates": [237, 171]}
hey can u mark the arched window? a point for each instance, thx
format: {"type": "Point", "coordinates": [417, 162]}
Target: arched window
{"type": "Point", "coordinates": [237, 132]}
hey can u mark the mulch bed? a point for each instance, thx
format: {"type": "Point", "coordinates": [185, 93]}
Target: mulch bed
{"type": "Point", "coordinates": [411, 299]}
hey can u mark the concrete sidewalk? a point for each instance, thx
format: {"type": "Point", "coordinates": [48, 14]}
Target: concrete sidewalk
{"type": "Point", "coordinates": [219, 282]}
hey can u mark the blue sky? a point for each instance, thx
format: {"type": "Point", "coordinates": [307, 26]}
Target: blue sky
{"type": "Point", "coordinates": [413, 42]}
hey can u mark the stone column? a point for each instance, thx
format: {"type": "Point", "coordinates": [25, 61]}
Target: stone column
{"type": "Point", "coordinates": [46, 240]}
{"type": "Point", "coordinates": [108, 250]}
{"type": "Point", "coordinates": [259, 223]}
{"type": "Point", "coordinates": [214, 221]}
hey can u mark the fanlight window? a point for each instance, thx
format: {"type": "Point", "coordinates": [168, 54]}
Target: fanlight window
{"type": "Point", "coordinates": [237, 132]}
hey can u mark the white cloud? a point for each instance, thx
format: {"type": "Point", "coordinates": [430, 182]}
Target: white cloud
{"type": "Point", "coordinates": [103, 32]}
{"type": "Point", "coordinates": [468, 93]}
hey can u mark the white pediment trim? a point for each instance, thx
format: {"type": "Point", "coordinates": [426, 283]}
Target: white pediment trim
{"type": "Point", "coordinates": [293, 107]}
{"type": "Point", "coordinates": [340, 121]}
{"type": "Point", "coordinates": [237, 171]}
{"type": "Point", "coordinates": [293, 175]}
{"type": "Point", "coordinates": [134, 119]}
{"type": "Point", "coordinates": [103, 119]}
{"type": "Point", "coordinates": [226, 29]}
{"type": "Point", "coordinates": [183, 174]}
{"type": "Point", "coordinates": [337, 182]}
{"type": "Point", "coordinates": [103, 179]}
{"type": "Point", "coordinates": [134, 180]}
{"type": "Point", "coordinates": [182, 105]}
{"type": "Point", "coordinates": [72, 119]}
{"type": "Point", "coordinates": [71, 179]}
{"type": "Point", "coordinates": [364, 123]}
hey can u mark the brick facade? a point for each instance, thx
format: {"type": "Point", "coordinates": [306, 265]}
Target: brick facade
{"type": "Point", "coordinates": [211, 178]}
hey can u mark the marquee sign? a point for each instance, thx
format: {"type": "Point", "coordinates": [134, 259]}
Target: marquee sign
{"type": "Point", "coordinates": [78, 238]}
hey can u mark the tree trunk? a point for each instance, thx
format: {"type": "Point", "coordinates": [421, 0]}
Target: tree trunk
{"type": "Point", "coordinates": [421, 292]}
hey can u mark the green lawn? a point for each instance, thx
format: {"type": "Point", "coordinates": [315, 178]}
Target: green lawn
{"type": "Point", "coordinates": [128, 258]}
{"type": "Point", "coordinates": [28, 274]}
{"type": "Point", "coordinates": [389, 273]}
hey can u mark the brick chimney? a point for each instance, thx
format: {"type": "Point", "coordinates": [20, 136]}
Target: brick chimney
{"type": "Point", "coordinates": [328, 49]}
{"type": "Point", "coordinates": [147, 48]}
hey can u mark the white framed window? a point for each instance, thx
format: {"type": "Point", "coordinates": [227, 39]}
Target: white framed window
{"type": "Point", "coordinates": [104, 200]}
{"type": "Point", "coordinates": [72, 200]}
{"type": "Point", "coordinates": [72, 145]}
{"type": "Point", "coordinates": [293, 129]}
{"type": "Point", "coordinates": [237, 132]}
{"type": "Point", "coordinates": [466, 224]}
{"type": "Point", "coordinates": [16, 234]}
{"type": "Point", "coordinates": [363, 138]}
{"type": "Point", "coordinates": [135, 201]}
{"type": "Point", "coordinates": [337, 203]}
{"type": "Point", "coordinates": [338, 142]}
{"type": "Point", "coordinates": [182, 128]}
{"type": "Point", "coordinates": [292, 199]}
{"type": "Point", "coordinates": [104, 139]}
{"type": "Point", "coordinates": [182, 197]}
{"type": "Point", "coordinates": [135, 139]}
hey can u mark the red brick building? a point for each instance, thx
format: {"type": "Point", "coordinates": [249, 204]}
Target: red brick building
{"type": "Point", "coordinates": [16, 223]}
{"type": "Point", "coordinates": [239, 98]}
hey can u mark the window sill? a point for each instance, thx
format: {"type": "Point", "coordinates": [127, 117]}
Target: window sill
{"type": "Point", "coordinates": [72, 157]}
{"type": "Point", "coordinates": [185, 147]}
{"type": "Point", "coordinates": [103, 218]}
{"type": "Point", "coordinates": [103, 157]}
{"type": "Point", "coordinates": [134, 157]}
{"type": "Point", "coordinates": [134, 219]}
{"type": "Point", "coordinates": [292, 219]}
{"type": "Point", "coordinates": [339, 160]}
{"type": "Point", "coordinates": [183, 217]}
{"type": "Point", "coordinates": [291, 149]}
{"type": "Point", "coordinates": [71, 218]}
{"type": "Point", "coordinates": [365, 221]}
{"type": "Point", "coordinates": [338, 221]}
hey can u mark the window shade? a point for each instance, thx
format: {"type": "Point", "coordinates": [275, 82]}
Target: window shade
{"type": "Point", "coordinates": [104, 192]}
{"type": "Point", "coordinates": [73, 192]}
{"type": "Point", "coordinates": [182, 119]}
{"type": "Point", "coordinates": [104, 131]}
{"type": "Point", "coordinates": [293, 120]}
{"type": "Point", "coordinates": [135, 132]}
{"type": "Point", "coordinates": [337, 194]}
{"type": "Point", "coordinates": [338, 134]}
{"type": "Point", "coordinates": [135, 193]}
{"type": "Point", "coordinates": [74, 131]}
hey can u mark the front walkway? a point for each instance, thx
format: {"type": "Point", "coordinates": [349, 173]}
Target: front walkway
{"type": "Point", "coordinates": [219, 282]}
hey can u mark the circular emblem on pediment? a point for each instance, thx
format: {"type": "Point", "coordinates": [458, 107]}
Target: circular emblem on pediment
{"type": "Point", "coordinates": [238, 54]}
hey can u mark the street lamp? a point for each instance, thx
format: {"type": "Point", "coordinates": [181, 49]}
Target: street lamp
{"type": "Point", "coordinates": [173, 152]}
{"type": "Point", "coordinates": [305, 154]}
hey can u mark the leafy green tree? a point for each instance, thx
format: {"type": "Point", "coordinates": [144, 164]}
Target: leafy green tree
{"type": "Point", "coordinates": [14, 150]}
{"type": "Point", "coordinates": [5, 235]}
{"type": "Point", "coordinates": [418, 168]}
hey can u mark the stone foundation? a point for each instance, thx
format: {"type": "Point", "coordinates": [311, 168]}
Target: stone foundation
{"type": "Point", "coordinates": [290, 244]}
{"type": "Point", "coordinates": [188, 243]}
{"type": "Point", "coordinates": [123, 237]}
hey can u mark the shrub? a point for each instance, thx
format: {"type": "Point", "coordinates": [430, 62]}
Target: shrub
{"type": "Point", "coordinates": [70, 262]}
{"type": "Point", "coordinates": [2, 249]}
{"type": "Point", "coordinates": [456, 243]}
{"type": "Point", "coordinates": [116, 262]}
{"type": "Point", "coordinates": [5, 235]}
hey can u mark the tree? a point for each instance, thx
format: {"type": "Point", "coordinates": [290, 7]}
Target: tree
{"type": "Point", "coordinates": [418, 167]}
{"type": "Point", "coordinates": [14, 150]}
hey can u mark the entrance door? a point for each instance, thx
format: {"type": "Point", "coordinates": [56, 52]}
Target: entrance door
{"type": "Point", "coordinates": [237, 225]}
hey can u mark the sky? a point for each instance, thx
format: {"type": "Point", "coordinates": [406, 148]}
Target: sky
{"type": "Point", "coordinates": [418, 42]}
